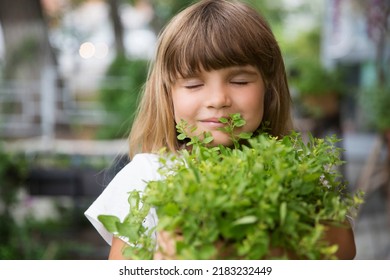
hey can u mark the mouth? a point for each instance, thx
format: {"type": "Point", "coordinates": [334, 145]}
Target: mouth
{"type": "Point", "coordinates": [212, 123]}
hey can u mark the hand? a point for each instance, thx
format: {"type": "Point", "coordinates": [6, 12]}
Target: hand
{"type": "Point", "coordinates": [166, 246]}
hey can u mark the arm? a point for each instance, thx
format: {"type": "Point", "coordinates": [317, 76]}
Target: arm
{"type": "Point", "coordinates": [164, 240]}
{"type": "Point", "coordinates": [116, 249]}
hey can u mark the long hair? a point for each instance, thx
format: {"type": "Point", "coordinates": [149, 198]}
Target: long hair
{"type": "Point", "coordinates": [209, 35]}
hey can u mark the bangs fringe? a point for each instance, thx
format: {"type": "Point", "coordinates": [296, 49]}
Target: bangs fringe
{"type": "Point", "coordinates": [213, 41]}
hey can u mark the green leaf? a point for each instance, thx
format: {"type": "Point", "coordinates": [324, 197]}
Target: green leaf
{"type": "Point", "coordinates": [235, 116]}
{"type": "Point", "coordinates": [283, 212]}
{"type": "Point", "coordinates": [171, 209]}
{"type": "Point", "coordinates": [109, 222]}
{"type": "Point", "coordinates": [131, 231]}
{"type": "Point", "coordinates": [245, 220]}
{"type": "Point", "coordinates": [245, 135]}
{"type": "Point", "coordinates": [223, 120]}
{"type": "Point", "coordinates": [181, 136]}
{"type": "Point", "coordinates": [207, 252]}
{"type": "Point", "coordinates": [239, 123]}
{"type": "Point", "coordinates": [208, 140]}
{"type": "Point", "coordinates": [134, 200]}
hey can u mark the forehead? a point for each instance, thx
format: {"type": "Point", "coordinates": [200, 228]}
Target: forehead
{"type": "Point", "coordinates": [191, 59]}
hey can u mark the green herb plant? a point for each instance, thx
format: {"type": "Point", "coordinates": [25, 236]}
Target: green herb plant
{"type": "Point", "coordinates": [247, 201]}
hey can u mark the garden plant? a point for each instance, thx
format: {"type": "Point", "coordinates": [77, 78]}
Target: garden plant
{"type": "Point", "coordinates": [239, 202]}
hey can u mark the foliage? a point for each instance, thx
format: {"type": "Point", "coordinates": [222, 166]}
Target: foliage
{"type": "Point", "coordinates": [268, 193]}
{"type": "Point", "coordinates": [274, 11]}
{"type": "Point", "coordinates": [165, 10]}
{"type": "Point", "coordinates": [40, 239]}
{"type": "Point", "coordinates": [316, 89]}
{"type": "Point", "coordinates": [13, 171]}
{"type": "Point", "coordinates": [305, 45]}
{"type": "Point", "coordinates": [312, 78]}
{"type": "Point", "coordinates": [375, 101]}
{"type": "Point", "coordinates": [119, 94]}
{"type": "Point", "coordinates": [32, 238]}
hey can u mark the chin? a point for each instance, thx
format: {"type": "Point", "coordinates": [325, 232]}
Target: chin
{"type": "Point", "coordinates": [221, 139]}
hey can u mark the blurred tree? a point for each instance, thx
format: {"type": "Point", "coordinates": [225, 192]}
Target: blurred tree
{"type": "Point", "coordinates": [164, 10]}
{"type": "Point", "coordinates": [119, 94]}
{"type": "Point", "coordinates": [117, 26]}
{"type": "Point", "coordinates": [273, 11]}
{"type": "Point", "coordinates": [27, 47]}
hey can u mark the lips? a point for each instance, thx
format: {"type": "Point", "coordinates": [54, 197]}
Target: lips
{"type": "Point", "coordinates": [215, 120]}
{"type": "Point", "coordinates": [212, 122]}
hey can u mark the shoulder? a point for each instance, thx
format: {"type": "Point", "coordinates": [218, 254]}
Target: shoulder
{"type": "Point", "coordinates": [114, 199]}
{"type": "Point", "coordinates": [143, 167]}
{"type": "Point", "coordinates": [146, 159]}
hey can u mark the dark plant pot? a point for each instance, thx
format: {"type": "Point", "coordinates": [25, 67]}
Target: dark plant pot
{"type": "Point", "coordinates": [322, 106]}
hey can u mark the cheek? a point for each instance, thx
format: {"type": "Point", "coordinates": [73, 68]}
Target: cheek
{"type": "Point", "coordinates": [178, 110]}
{"type": "Point", "coordinates": [186, 106]}
{"type": "Point", "coordinates": [176, 105]}
{"type": "Point", "coordinates": [181, 107]}
{"type": "Point", "coordinates": [253, 123]}
{"type": "Point", "coordinates": [256, 111]}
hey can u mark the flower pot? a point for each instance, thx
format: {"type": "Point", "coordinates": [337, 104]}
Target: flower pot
{"type": "Point", "coordinates": [322, 106]}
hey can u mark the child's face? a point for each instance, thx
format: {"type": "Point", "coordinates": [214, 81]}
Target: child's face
{"type": "Point", "coordinates": [203, 99]}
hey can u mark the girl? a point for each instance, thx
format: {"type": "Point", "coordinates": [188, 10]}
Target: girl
{"type": "Point", "coordinates": [215, 58]}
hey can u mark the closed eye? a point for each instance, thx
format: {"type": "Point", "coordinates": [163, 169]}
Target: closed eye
{"type": "Point", "coordinates": [193, 86]}
{"type": "Point", "coordinates": [240, 82]}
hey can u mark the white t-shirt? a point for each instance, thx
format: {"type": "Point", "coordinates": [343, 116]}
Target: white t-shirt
{"type": "Point", "coordinates": [114, 198]}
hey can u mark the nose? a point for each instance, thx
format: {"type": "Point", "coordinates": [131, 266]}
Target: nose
{"type": "Point", "coordinates": [219, 97]}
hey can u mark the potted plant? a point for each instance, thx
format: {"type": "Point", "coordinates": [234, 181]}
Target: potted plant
{"type": "Point", "coordinates": [246, 202]}
{"type": "Point", "coordinates": [318, 89]}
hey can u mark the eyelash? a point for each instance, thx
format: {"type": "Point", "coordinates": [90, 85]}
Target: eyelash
{"type": "Point", "coordinates": [193, 86]}
{"type": "Point", "coordinates": [240, 83]}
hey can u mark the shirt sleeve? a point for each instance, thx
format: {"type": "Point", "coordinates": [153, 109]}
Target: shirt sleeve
{"type": "Point", "coordinates": [114, 199]}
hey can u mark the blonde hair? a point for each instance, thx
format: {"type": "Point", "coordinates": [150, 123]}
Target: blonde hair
{"type": "Point", "coordinates": [209, 35]}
